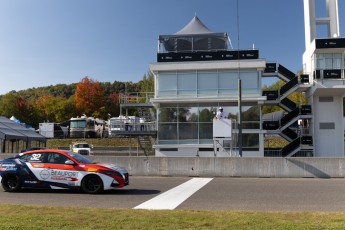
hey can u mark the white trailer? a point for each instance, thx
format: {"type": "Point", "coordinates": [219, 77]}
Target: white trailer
{"type": "Point", "coordinates": [51, 130]}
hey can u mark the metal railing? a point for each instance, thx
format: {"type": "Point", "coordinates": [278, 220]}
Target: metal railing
{"type": "Point", "coordinates": [136, 97]}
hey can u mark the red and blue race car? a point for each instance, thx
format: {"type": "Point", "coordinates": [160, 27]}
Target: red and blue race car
{"type": "Point", "coordinates": [59, 169]}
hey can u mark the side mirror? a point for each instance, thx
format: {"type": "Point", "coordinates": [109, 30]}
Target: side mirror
{"type": "Point", "coordinates": [69, 162]}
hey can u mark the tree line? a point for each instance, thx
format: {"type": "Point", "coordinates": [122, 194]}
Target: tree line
{"type": "Point", "coordinates": [58, 103]}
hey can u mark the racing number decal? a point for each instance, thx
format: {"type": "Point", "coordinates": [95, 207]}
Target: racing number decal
{"type": "Point", "coordinates": [35, 157]}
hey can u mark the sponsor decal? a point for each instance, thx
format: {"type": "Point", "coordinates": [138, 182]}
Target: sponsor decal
{"type": "Point", "coordinates": [37, 165]}
{"type": "Point", "coordinates": [8, 167]}
{"type": "Point", "coordinates": [64, 175]}
{"type": "Point", "coordinates": [59, 175]}
{"type": "Point", "coordinates": [45, 174]}
{"type": "Point", "coordinates": [35, 157]}
{"type": "Point", "coordinates": [30, 182]}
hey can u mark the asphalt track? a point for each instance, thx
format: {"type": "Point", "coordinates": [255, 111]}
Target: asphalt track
{"type": "Point", "coordinates": [264, 194]}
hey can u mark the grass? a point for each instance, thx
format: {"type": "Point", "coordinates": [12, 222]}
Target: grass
{"type": "Point", "coordinates": [42, 217]}
{"type": "Point", "coordinates": [96, 142]}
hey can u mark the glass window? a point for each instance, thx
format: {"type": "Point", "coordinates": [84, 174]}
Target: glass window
{"type": "Point", "coordinates": [337, 61]}
{"type": "Point", "coordinates": [249, 82]}
{"type": "Point", "coordinates": [33, 157]}
{"type": "Point", "coordinates": [228, 82]}
{"type": "Point", "coordinates": [186, 80]}
{"type": "Point", "coordinates": [78, 124]}
{"type": "Point", "coordinates": [167, 84]}
{"type": "Point", "coordinates": [328, 61]}
{"type": "Point", "coordinates": [186, 83]}
{"type": "Point", "coordinates": [205, 131]}
{"type": "Point", "coordinates": [188, 114]}
{"type": "Point", "coordinates": [250, 141]}
{"type": "Point", "coordinates": [167, 131]}
{"type": "Point", "coordinates": [188, 132]}
{"type": "Point", "coordinates": [207, 83]}
{"type": "Point", "coordinates": [56, 158]}
{"type": "Point", "coordinates": [206, 114]}
{"type": "Point", "coordinates": [167, 115]}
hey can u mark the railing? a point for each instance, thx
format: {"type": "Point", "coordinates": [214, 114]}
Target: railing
{"type": "Point", "coordinates": [271, 67]}
{"type": "Point", "coordinates": [278, 153]}
{"type": "Point", "coordinates": [290, 147]}
{"type": "Point", "coordinates": [270, 94]}
{"type": "Point", "coordinates": [288, 117]}
{"type": "Point", "coordinates": [136, 97]}
{"type": "Point", "coordinates": [288, 86]}
{"type": "Point", "coordinates": [190, 55]}
{"type": "Point", "coordinates": [329, 74]}
{"type": "Point", "coordinates": [147, 128]}
{"type": "Point", "coordinates": [285, 72]}
{"type": "Point", "coordinates": [288, 103]}
{"type": "Point", "coordinates": [290, 133]}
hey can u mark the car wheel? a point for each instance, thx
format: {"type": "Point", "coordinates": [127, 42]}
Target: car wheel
{"type": "Point", "coordinates": [11, 183]}
{"type": "Point", "coordinates": [92, 185]}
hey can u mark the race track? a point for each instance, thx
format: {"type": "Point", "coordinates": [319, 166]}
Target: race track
{"type": "Point", "coordinates": [265, 194]}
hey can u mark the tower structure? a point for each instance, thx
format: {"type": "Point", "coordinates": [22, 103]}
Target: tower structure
{"type": "Point", "coordinates": [323, 60]}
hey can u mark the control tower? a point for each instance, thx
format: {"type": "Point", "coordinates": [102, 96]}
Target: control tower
{"type": "Point", "coordinates": [323, 60]}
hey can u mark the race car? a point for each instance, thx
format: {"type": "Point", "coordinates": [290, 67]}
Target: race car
{"type": "Point", "coordinates": [59, 169]}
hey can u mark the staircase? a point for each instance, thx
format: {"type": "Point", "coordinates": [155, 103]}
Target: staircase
{"type": "Point", "coordinates": [145, 143]}
{"type": "Point", "coordinates": [283, 127]}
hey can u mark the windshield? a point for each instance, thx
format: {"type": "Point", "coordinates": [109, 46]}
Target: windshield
{"type": "Point", "coordinates": [80, 158]}
{"type": "Point", "coordinates": [78, 124]}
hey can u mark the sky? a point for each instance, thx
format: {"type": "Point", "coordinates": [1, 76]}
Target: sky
{"type": "Point", "coordinates": [49, 42]}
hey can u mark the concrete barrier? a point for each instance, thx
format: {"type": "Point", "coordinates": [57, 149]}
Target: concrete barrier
{"type": "Point", "coordinates": [226, 167]}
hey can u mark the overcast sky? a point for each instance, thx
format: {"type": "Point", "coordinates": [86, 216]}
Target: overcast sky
{"type": "Point", "coordinates": [48, 42]}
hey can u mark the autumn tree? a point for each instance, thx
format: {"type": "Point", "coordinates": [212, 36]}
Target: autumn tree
{"type": "Point", "coordinates": [89, 96]}
{"type": "Point", "coordinates": [296, 97]}
{"type": "Point", "coordinates": [55, 109]}
{"type": "Point", "coordinates": [113, 104]}
{"type": "Point", "coordinates": [14, 105]}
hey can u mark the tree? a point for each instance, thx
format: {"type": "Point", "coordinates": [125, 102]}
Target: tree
{"type": "Point", "coordinates": [55, 109]}
{"type": "Point", "coordinates": [89, 96]}
{"type": "Point", "coordinates": [8, 105]}
{"type": "Point", "coordinates": [113, 104]}
{"type": "Point", "coordinates": [147, 83]}
{"type": "Point", "coordinates": [296, 97]}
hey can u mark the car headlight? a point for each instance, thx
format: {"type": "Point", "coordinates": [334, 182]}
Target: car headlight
{"type": "Point", "coordinates": [110, 173]}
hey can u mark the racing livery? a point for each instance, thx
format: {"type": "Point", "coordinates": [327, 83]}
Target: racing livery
{"type": "Point", "coordinates": [59, 169]}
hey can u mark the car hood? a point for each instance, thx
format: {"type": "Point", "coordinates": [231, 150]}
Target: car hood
{"type": "Point", "coordinates": [114, 167]}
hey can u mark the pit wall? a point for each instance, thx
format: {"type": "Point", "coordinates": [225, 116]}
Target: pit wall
{"type": "Point", "coordinates": [226, 167]}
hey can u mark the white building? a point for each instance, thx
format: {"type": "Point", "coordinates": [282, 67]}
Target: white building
{"type": "Point", "coordinates": [196, 72]}
{"type": "Point", "coordinates": [323, 60]}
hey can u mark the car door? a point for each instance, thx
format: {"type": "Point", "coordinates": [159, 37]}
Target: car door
{"type": "Point", "coordinates": [35, 169]}
{"type": "Point", "coordinates": [61, 174]}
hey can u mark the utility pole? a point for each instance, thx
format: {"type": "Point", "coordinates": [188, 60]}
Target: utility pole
{"type": "Point", "coordinates": [239, 118]}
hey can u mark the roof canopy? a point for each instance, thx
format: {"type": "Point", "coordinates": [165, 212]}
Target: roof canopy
{"type": "Point", "coordinates": [9, 130]}
{"type": "Point", "coordinates": [194, 37]}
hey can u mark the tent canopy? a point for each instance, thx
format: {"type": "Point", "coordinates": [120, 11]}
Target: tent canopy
{"type": "Point", "coordinates": [194, 37]}
{"type": "Point", "coordinates": [9, 130]}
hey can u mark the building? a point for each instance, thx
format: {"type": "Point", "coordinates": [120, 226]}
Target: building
{"type": "Point", "coordinates": [197, 71]}
{"type": "Point", "coordinates": [323, 60]}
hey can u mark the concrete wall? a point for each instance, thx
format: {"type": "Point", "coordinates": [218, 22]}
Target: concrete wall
{"type": "Point", "coordinates": [227, 167]}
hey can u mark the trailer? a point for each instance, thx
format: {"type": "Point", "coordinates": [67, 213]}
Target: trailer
{"type": "Point", "coordinates": [52, 130]}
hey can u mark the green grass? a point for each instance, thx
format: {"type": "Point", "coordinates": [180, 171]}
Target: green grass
{"type": "Point", "coordinates": [96, 142]}
{"type": "Point", "coordinates": [42, 217]}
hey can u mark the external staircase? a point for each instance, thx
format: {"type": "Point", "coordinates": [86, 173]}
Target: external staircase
{"type": "Point", "coordinates": [287, 126]}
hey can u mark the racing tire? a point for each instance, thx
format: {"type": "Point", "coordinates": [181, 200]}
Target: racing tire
{"type": "Point", "coordinates": [11, 183]}
{"type": "Point", "coordinates": [92, 185]}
